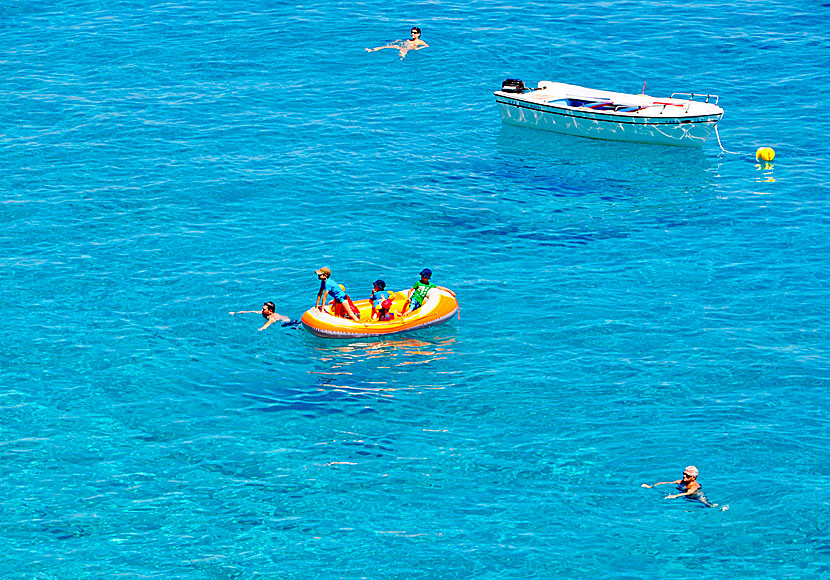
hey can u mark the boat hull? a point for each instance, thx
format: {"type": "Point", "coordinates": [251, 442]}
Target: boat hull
{"type": "Point", "coordinates": [668, 125]}
{"type": "Point", "coordinates": [439, 307]}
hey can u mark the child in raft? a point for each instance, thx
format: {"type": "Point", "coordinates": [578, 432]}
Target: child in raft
{"type": "Point", "coordinates": [383, 312]}
{"type": "Point", "coordinates": [378, 295]}
{"type": "Point", "coordinates": [417, 295]}
{"type": "Point", "coordinates": [342, 304]}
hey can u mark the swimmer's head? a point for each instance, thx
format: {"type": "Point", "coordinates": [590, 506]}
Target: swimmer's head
{"type": "Point", "coordinates": [380, 284]}
{"type": "Point", "coordinates": [690, 471]}
{"type": "Point", "coordinates": [415, 30]}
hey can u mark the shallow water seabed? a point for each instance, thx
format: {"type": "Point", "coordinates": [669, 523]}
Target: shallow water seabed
{"type": "Point", "coordinates": [626, 310]}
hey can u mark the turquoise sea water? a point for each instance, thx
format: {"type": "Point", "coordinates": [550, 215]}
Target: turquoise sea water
{"type": "Point", "coordinates": [626, 310]}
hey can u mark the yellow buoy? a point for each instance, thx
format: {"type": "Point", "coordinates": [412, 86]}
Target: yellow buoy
{"type": "Point", "coordinates": [765, 153]}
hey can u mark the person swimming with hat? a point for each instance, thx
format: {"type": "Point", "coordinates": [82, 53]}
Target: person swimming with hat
{"type": "Point", "coordinates": [688, 487]}
{"type": "Point", "coordinates": [404, 46]}
{"type": "Point", "coordinates": [417, 295]}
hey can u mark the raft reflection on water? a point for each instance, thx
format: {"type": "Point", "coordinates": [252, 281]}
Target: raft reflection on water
{"type": "Point", "coordinates": [390, 353]}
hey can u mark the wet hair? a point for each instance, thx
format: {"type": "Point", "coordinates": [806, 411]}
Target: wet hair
{"type": "Point", "coordinates": [415, 29]}
{"type": "Point", "coordinates": [271, 305]}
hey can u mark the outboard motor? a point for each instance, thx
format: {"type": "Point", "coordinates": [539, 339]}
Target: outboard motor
{"type": "Point", "coordinates": [513, 86]}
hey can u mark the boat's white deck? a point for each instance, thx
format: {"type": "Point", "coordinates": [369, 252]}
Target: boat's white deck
{"type": "Point", "coordinates": [558, 94]}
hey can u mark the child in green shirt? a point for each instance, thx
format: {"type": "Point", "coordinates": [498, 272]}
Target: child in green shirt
{"type": "Point", "coordinates": [417, 295]}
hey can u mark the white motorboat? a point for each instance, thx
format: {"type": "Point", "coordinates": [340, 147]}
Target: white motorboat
{"type": "Point", "coordinates": [684, 119]}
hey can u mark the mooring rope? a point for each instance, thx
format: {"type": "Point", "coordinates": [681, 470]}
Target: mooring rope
{"type": "Point", "coordinates": [721, 145]}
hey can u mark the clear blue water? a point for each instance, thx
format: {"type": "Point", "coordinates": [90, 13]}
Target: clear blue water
{"type": "Point", "coordinates": [626, 310]}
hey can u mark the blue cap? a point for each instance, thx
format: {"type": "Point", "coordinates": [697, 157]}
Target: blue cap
{"type": "Point", "coordinates": [426, 273]}
{"type": "Point", "coordinates": [380, 284]}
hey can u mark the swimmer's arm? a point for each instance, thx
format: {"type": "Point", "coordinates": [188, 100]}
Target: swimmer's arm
{"type": "Point", "coordinates": [421, 45]}
{"type": "Point", "coordinates": [245, 312]}
{"type": "Point", "coordinates": [706, 503]}
{"type": "Point", "coordinates": [691, 491]}
{"type": "Point", "coordinates": [659, 483]}
{"type": "Point", "coordinates": [446, 290]}
{"type": "Point", "coordinates": [382, 47]}
{"type": "Point", "coordinates": [274, 318]}
{"type": "Point", "coordinates": [406, 303]}
{"type": "Point", "coordinates": [323, 301]}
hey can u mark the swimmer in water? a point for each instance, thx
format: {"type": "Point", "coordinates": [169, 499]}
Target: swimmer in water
{"type": "Point", "coordinates": [404, 46]}
{"type": "Point", "coordinates": [268, 313]}
{"type": "Point", "coordinates": [687, 486]}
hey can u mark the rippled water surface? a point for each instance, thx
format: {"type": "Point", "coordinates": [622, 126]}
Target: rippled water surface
{"type": "Point", "coordinates": [626, 310]}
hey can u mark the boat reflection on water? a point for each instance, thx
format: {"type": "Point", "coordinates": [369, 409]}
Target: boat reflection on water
{"type": "Point", "coordinates": [571, 150]}
{"type": "Point", "coordinates": [556, 165]}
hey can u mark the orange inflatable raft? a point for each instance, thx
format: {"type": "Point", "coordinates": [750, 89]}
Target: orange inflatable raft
{"type": "Point", "coordinates": [439, 307]}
